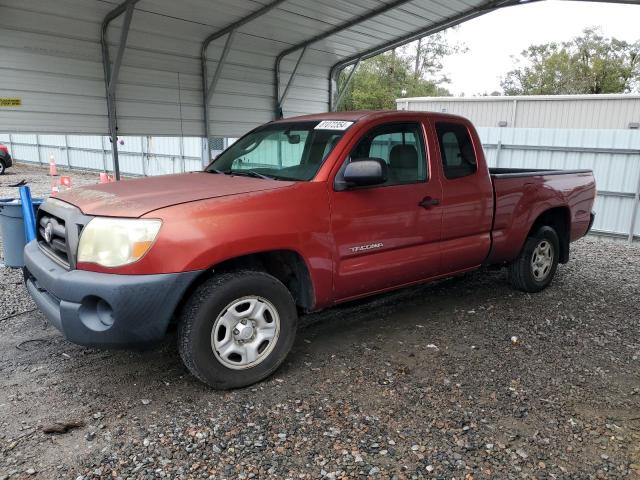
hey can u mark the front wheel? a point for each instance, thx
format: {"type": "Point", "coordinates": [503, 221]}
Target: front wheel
{"type": "Point", "coordinates": [236, 329]}
{"type": "Point", "coordinates": [536, 265]}
{"type": "Point", "coordinates": [2, 167]}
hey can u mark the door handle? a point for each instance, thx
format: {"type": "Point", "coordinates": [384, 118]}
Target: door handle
{"type": "Point", "coordinates": [428, 202]}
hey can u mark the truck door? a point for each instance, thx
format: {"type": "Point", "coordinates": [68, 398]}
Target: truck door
{"type": "Point", "coordinates": [387, 235]}
{"type": "Point", "coordinates": [467, 198]}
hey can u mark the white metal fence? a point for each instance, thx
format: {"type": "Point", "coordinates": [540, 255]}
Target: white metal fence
{"type": "Point", "coordinates": [138, 155]}
{"type": "Point", "coordinates": [613, 155]}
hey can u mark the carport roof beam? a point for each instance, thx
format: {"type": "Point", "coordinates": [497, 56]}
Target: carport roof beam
{"type": "Point", "coordinates": [221, 62]}
{"type": "Point", "coordinates": [337, 29]}
{"type": "Point", "coordinates": [429, 30]}
{"type": "Point", "coordinates": [124, 33]}
{"type": "Point", "coordinates": [343, 26]}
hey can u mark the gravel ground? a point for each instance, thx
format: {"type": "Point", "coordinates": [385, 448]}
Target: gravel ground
{"type": "Point", "coordinates": [463, 379]}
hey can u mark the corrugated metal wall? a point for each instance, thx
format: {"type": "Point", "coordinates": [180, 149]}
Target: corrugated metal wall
{"type": "Point", "coordinates": [561, 111]}
{"type": "Point", "coordinates": [613, 155]}
{"type": "Point", "coordinates": [50, 58]}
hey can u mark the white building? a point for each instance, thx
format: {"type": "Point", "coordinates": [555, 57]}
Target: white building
{"type": "Point", "coordinates": [537, 111]}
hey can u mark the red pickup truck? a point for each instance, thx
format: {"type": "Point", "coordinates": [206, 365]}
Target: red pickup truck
{"type": "Point", "coordinates": [5, 159]}
{"type": "Point", "coordinates": [296, 216]}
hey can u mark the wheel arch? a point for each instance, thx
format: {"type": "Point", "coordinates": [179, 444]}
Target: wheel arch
{"type": "Point", "coordinates": [288, 266]}
{"type": "Point", "coordinates": [558, 218]}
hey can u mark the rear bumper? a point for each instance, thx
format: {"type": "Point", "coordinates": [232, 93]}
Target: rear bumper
{"type": "Point", "coordinates": [101, 309]}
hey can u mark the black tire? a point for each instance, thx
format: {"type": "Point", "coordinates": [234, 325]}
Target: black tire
{"type": "Point", "coordinates": [208, 302]}
{"type": "Point", "coordinates": [521, 270]}
{"type": "Point", "coordinates": [3, 167]}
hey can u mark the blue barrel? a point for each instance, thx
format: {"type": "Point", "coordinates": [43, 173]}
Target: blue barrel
{"type": "Point", "coordinates": [12, 229]}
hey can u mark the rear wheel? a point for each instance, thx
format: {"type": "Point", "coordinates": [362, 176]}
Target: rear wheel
{"type": "Point", "coordinates": [2, 167]}
{"type": "Point", "coordinates": [237, 328]}
{"type": "Point", "coordinates": [536, 265]}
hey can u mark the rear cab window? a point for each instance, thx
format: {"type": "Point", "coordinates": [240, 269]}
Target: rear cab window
{"type": "Point", "coordinates": [456, 150]}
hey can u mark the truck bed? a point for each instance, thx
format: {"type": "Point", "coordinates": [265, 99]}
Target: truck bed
{"type": "Point", "coordinates": [521, 195]}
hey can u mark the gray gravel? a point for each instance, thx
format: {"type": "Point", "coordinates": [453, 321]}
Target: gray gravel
{"type": "Point", "coordinates": [463, 379]}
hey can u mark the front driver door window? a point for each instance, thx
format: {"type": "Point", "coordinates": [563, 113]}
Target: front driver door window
{"type": "Point", "coordinates": [401, 146]}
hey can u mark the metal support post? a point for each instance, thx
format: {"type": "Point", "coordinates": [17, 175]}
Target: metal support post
{"type": "Point", "coordinates": [209, 89]}
{"type": "Point", "coordinates": [345, 87]}
{"type": "Point", "coordinates": [111, 74]}
{"type": "Point", "coordinates": [66, 149]}
{"type": "Point", "coordinates": [208, 92]}
{"type": "Point", "coordinates": [634, 211]}
{"type": "Point", "coordinates": [38, 149]}
{"type": "Point", "coordinates": [104, 154]}
{"type": "Point", "coordinates": [280, 99]}
{"type": "Point", "coordinates": [498, 150]}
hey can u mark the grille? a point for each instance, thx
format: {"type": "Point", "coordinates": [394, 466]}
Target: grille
{"type": "Point", "coordinates": [52, 237]}
{"type": "Point", "coordinates": [59, 227]}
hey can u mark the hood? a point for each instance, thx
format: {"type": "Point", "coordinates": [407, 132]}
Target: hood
{"type": "Point", "coordinates": [134, 198]}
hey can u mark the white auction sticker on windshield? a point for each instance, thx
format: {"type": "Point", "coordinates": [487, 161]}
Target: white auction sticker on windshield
{"type": "Point", "coordinates": [333, 125]}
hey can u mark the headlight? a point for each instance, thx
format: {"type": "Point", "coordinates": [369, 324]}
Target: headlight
{"type": "Point", "coordinates": [113, 242]}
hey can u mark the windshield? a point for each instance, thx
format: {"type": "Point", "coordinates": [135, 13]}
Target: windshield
{"type": "Point", "coordinates": [284, 151]}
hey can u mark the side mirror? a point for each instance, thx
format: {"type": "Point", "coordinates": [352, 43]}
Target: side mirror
{"type": "Point", "coordinates": [293, 139]}
{"type": "Point", "coordinates": [363, 172]}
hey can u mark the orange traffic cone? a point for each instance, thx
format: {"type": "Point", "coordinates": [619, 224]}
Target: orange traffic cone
{"type": "Point", "coordinates": [54, 187]}
{"type": "Point", "coordinates": [65, 181]}
{"type": "Point", "coordinates": [53, 171]}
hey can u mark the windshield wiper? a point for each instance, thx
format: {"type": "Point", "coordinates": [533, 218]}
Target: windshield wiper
{"type": "Point", "coordinates": [251, 173]}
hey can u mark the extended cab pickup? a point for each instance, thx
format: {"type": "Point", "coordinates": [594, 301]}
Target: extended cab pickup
{"type": "Point", "coordinates": [296, 216]}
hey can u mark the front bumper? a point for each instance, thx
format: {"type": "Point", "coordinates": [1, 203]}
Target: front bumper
{"type": "Point", "coordinates": [102, 309]}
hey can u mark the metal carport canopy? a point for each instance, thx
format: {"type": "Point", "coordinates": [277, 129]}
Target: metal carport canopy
{"type": "Point", "coordinates": [52, 59]}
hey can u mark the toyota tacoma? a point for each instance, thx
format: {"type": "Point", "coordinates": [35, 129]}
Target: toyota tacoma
{"type": "Point", "coordinates": [298, 215]}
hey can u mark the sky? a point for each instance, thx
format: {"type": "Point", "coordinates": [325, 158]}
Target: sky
{"type": "Point", "coordinates": [494, 38]}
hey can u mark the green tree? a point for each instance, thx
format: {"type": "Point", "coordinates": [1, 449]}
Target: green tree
{"type": "Point", "coordinates": [588, 64]}
{"type": "Point", "coordinates": [412, 71]}
{"type": "Point", "coordinates": [380, 80]}
{"type": "Point", "coordinates": [426, 55]}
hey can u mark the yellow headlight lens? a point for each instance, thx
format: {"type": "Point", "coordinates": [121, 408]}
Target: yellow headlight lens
{"type": "Point", "coordinates": [113, 242]}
